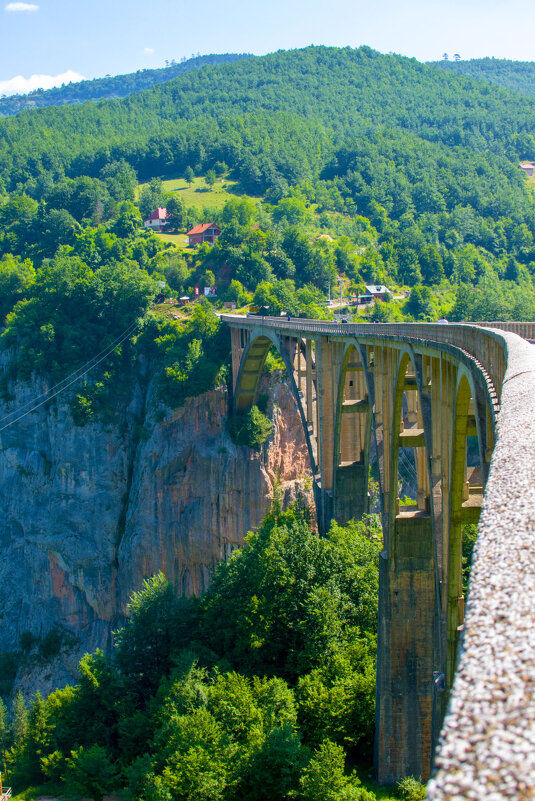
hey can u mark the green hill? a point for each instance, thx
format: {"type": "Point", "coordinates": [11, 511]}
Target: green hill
{"type": "Point", "coordinates": [285, 112]}
{"type": "Point", "coordinates": [518, 76]}
{"type": "Point", "coordinates": [411, 170]}
{"type": "Point", "coordinates": [108, 87]}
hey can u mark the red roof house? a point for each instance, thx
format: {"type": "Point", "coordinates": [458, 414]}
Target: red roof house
{"type": "Point", "coordinates": [207, 232]}
{"type": "Point", "coordinates": [157, 220]}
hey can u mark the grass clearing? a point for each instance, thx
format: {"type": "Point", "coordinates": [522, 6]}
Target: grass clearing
{"type": "Point", "coordinates": [199, 195]}
{"type": "Point", "coordinates": [179, 240]}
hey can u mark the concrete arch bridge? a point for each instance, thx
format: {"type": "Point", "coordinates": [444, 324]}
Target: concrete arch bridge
{"type": "Point", "coordinates": [456, 404]}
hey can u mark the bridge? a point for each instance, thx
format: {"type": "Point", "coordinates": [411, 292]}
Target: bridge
{"type": "Point", "coordinates": [457, 402]}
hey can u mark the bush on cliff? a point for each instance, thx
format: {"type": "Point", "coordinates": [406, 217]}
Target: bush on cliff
{"type": "Point", "coordinates": [194, 354]}
{"type": "Point", "coordinates": [71, 313]}
{"type": "Point", "coordinates": [251, 428]}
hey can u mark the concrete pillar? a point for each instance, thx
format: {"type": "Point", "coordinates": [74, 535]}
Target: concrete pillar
{"type": "Point", "coordinates": [404, 714]}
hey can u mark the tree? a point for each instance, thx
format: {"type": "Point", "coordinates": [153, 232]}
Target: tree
{"type": "Point", "coordinates": [176, 210]}
{"type": "Point", "coordinates": [199, 757]}
{"type": "Point", "coordinates": [144, 645]}
{"type": "Point", "coordinates": [4, 736]}
{"type": "Point", "coordinates": [420, 303]}
{"type": "Point", "coordinates": [274, 769]}
{"type": "Point", "coordinates": [57, 228]}
{"type": "Point", "coordinates": [20, 721]}
{"type": "Point", "coordinates": [408, 266]}
{"type": "Point", "coordinates": [128, 220]}
{"type": "Point", "coordinates": [289, 597]}
{"type": "Point", "coordinates": [152, 197]}
{"type": "Point", "coordinates": [90, 772]}
{"type": "Point", "coordinates": [189, 175]}
{"type": "Point", "coordinates": [211, 177]}
{"type": "Point", "coordinates": [323, 778]}
{"type": "Point", "coordinates": [250, 428]}
{"type": "Point", "coordinates": [292, 210]}
{"type": "Point", "coordinates": [431, 265]}
{"type": "Point", "coordinates": [16, 277]}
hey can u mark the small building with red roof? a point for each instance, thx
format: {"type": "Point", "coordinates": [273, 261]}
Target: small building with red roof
{"type": "Point", "coordinates": [157, 220]}
{"type": "Point", "coordinates": [207, 232]}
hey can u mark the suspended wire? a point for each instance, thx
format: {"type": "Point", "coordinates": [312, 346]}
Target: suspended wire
{"type": "Point", "coordinates": [75, 376]}
{"type": "Point", "coordinates": [80, 371]}
{"type": "Point", "coordinates": [406, 465]}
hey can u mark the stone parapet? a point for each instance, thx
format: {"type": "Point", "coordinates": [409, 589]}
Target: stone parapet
{"type": "Point", "coordinates": [487, 746]}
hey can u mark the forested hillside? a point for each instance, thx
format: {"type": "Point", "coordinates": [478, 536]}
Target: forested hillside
{"type": "Point", "coordinates": [221, 111]}
{"type": "Point", "coordinates": [410, 172]}
{"type": "Point", "coordinates": [519, 76]}
{"type": "Point", "coordinates": [110, 86]}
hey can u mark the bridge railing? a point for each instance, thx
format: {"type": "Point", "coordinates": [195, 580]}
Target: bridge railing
{"type": "Point", "coordinates": [487, 743]}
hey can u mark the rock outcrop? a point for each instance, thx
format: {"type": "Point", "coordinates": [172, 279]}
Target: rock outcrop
{"type": "Point", "coordinates": [88, 512]}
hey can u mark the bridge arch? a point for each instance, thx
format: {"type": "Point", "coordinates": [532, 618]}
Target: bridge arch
{"type": "Point", "coordinates": [352, 435]}
{"type": "Point", "coordinates": [409, 432]}
{"type": "Point", "coordinates": [253, 358]}
{"type": "Point", "coordinates": [466, 376]}
{"type": "Point", "coordinates": [247, 383]}
{"type": "Point", "coordinates": [466, 495]}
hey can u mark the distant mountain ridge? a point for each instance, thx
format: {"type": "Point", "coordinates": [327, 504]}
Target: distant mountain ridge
{"type": "Point", "coordinates": [517, 76]}
{"type": "Point", "coordinates": [109, 87]}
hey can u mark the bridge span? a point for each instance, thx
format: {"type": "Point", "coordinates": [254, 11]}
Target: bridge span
{"type": "Point", "coordinates": [457, 402]}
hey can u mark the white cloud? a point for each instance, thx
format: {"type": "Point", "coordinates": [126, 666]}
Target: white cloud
{"type": "Point", "coordinates": [149, 51]}
{"type": "Point", "coordinates": [20, 85]}
{"type": "Point", "coordinates": [21, 7]}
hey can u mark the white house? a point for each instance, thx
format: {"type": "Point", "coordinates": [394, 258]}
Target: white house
{"type": "Point", "coordinates": [157, 220]}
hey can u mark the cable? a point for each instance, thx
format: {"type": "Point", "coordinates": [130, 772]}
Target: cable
{"type": "Point", "coordinates": [82, 371]}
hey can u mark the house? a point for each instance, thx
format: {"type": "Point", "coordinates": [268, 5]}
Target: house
{"type": "Point", "coordinates": [379, 292]}
{"type": "Point", "coordinates": [157, 220]}
{"type": "Point", "coordinates": [527, 169]}
{"type": "Point", "coordinates": [207, 232]}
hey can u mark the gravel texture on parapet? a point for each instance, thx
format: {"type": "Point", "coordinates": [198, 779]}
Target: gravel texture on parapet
{"type": "Point", "coordinates": [487, 746]}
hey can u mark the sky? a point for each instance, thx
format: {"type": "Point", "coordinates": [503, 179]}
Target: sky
{"type": "Point", "coordinates": [47, 42]}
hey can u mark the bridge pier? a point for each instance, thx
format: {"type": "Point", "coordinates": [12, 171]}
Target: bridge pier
{"type": "Point", "coordinates": [406, 656]}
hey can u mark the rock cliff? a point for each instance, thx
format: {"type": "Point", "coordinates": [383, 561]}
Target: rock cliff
{"type": "Point", "coordinates": [88, 512]}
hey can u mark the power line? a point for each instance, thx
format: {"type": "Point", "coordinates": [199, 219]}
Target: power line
{"type": "Point", "coordinates": [75, 376]}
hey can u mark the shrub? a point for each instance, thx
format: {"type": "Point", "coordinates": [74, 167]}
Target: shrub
{"type": "Point", "coordinates": [250, 428]}
{"type": "Point", "coordinates": [410, 789]}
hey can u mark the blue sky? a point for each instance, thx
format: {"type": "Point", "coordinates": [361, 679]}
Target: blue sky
{"type": "Point", "coordinates": [43, 39]}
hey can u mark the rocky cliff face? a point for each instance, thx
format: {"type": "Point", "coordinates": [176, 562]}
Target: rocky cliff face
{"type": "Point", "coordinates": [88, 512]}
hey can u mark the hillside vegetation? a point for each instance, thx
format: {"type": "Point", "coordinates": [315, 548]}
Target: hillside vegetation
{"type": "Point", "coordinates": [110, 86]}
{"type": "Point", "coordinates": [409, 173]}
{"type": "Point", "coordinates": [518, 76]}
